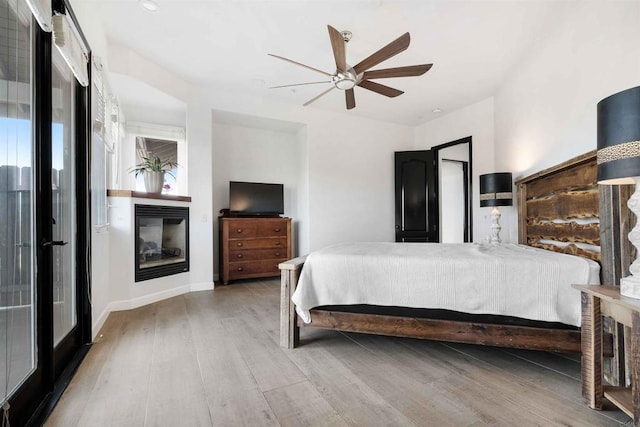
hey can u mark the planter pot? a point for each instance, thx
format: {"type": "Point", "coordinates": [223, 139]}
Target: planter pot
{"type": "Point", "coordinates": [153, 182]}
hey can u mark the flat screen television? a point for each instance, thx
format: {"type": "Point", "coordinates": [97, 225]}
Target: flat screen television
{"type": "Point", "coordinates": [254, 198]}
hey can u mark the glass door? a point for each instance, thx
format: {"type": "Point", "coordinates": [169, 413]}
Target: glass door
{"type": "Point", "coordinates": [63, 198]}
{"type": "Point", "coordinates": [17, 289]}
{"type": "Point", "coordinates": [44, 215]}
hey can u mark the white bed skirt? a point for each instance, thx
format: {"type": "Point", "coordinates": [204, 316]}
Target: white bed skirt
{"type": "Point", "coordinates": [506, 279]}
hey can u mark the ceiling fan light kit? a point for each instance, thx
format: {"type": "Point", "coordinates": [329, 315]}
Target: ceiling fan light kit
{"type": "Point", "coordinates": [346, 78]}
{"type": "Point", "coordinates": [149, 5]}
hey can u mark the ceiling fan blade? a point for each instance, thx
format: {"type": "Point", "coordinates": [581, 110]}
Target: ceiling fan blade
{"type": "Point", "coordinates": [392, 49]}
{"type": "Point", "coordinates": [298, 63]}
{"type": "Point", "coordinates": [409, 71]}
{"type": "Point", "coordinates": [322, 94]}
{"type": "Point", "coordinates": [299, 84]}
{"type": "Point", "coordinates": [339, 52]}
{"type": "Point", "coordinates": [381, 89]}
{"type": "Point", "coordinates": [351, 99]}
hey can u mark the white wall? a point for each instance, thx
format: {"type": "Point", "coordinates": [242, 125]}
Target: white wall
{"type": "Point", "coordinates": [351, 180]}
{"type": "Point", "coordinates": [452, 200]}
{"type": "Point", "coordinates": [200, 180]}
{"type": "Point", "coordinates": [100, 241]}
{"type": "Point", "coordinates": [123, 60]}
{"type": "Point", "coordinates": [93, 30]}
{"type": "Point", "coordinates": [476, 121]}
{"type": "Point", "coordinates": [136, 113]}
{"type": "Point", "coordinates": [301, 227]}
{"type": "Point", "coordinates": [545, 112]}
{"type": "Point", "coordinates": [251, 154]}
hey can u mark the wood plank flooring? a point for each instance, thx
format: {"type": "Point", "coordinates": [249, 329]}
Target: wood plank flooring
{"type": "Point", "coordinates": [212, 359]}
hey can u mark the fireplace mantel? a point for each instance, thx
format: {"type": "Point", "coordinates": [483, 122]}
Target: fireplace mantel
{"type": "Point", "coordinates": [145, 195]}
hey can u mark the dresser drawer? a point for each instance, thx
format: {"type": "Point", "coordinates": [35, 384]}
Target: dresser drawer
{"type": "Point", "coordinates": [253, 254]}
{"type": "Point", "coordinates": [266, 243]}
{"type": "Point", "coordinates": [242, 229]}
{"type": "Point", "coordinates": [272, 228]}
{"type": "Point", "coordinates": [241, 269]}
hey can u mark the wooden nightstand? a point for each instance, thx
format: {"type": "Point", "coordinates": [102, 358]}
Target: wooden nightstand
{"type": "Point", "coordinates": [598, 301]}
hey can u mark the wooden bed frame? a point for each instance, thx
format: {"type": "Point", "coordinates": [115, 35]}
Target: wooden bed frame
{"type": "Point", "coordinates": [564, 192]}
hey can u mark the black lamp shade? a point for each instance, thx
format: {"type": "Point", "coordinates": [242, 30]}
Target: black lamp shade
{"type": "Point", "coordinates": [496, 189]}
{"type": "Point", "coordinates": [619, 137]}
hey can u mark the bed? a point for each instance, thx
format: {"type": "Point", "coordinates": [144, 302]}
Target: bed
{"type": "Point", "coordinates": [558, 211]}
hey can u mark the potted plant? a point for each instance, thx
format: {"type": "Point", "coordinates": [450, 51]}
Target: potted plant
{"type": "Point", "coordinates": [153, 169]}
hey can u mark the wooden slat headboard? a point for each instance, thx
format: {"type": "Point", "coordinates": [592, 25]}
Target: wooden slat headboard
{"type": "Point", "coordinates": [550, 202]}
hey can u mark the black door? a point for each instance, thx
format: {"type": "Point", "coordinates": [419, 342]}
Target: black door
{"type": "Point", "coordinates": [415, 197]}
{"type": "Point", "coordinates": [44, 220]}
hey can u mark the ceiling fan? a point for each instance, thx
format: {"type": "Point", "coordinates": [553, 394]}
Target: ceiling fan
{"type": "Point", "coordinates": [346, 77]}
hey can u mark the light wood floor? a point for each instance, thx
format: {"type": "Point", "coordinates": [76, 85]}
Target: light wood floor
{"type": "Point", "coordinates": [212, 358]}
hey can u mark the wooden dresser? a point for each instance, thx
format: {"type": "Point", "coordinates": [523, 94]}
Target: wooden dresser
{"type": "Point", "coordinates": [253, 247]}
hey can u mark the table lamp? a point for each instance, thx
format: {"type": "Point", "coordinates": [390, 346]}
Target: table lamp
{"type": "Point", "coordinates": [496, 190]}
{"type": "Point", "coordinates": [618, 161]}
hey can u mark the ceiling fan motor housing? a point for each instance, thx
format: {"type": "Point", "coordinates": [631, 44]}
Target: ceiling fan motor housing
{"type": "Point", "coordinates": [346, 80]}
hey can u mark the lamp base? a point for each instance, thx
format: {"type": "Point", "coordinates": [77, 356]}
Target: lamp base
{"type": "Point", "coordinates": [494, 239]}
{"type": "Point", "coordinates": [630, 287]}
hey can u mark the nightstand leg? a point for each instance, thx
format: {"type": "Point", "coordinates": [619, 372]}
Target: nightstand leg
{"type": "Point", "coordinates": [634, 362]}
{"type": "Point", "coordinates": [592, 351]}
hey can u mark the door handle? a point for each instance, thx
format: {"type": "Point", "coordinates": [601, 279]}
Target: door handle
{"type": "Point", "coordinates": [45, 243]}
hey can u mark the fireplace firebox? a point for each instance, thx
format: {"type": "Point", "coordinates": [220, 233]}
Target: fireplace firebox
{"type": "Point", "coordinates": [162, 241]}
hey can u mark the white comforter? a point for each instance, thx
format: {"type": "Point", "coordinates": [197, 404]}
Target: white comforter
{"type": "Point", "coordinates": [506, 279]}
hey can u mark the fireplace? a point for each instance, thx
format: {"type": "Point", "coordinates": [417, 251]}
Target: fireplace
{"type": "Point", "coordinates": [162, 241]}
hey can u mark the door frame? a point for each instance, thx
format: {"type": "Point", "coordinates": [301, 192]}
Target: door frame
{"type": "Point", "coordinates": [469, 200]}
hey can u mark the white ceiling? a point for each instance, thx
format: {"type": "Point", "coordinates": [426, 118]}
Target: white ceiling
{"type": "Point", "coordinates": [472, 44]}
{"type": "Point", "coordinates": [134, 92]}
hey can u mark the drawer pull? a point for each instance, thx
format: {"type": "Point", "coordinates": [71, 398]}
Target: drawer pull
{"type": "Point", "coordinates": [239, 268]}
{"type": "Point", "coordinates": [239, 230]}
{"type": "Point", "coordinates": [277, 230]}
{"type": "Point", "coordinates": [239, 243]}
{"type": "Point", "coordinates": [277, 253]}
{"type": "Point", "coordinates": [277, 243]}
{"type": "Point", "coordinates": [239, 255]}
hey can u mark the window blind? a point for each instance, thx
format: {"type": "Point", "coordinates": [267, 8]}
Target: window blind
{"type": "Point", "coordinates": [71, 47]}
{"type": "Point", "coordinates": [105, 137]}
{"type": "Point", "coordinates": [106, 108]}
{"type": "Point", "coordinates": [41, 9]}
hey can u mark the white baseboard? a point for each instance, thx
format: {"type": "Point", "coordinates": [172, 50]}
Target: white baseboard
{"type": "Point", "coordinates": [99, 323]}
{"type": "Point", "coordinates": [148, 299]}
{"type": "Point", "coordinates": [145, 300]}
{"type": "Point", "coordinates": [205, 286]}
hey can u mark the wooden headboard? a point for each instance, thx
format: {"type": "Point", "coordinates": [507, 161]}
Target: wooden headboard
{"type": "Point", "coordinates": [558, 208]}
